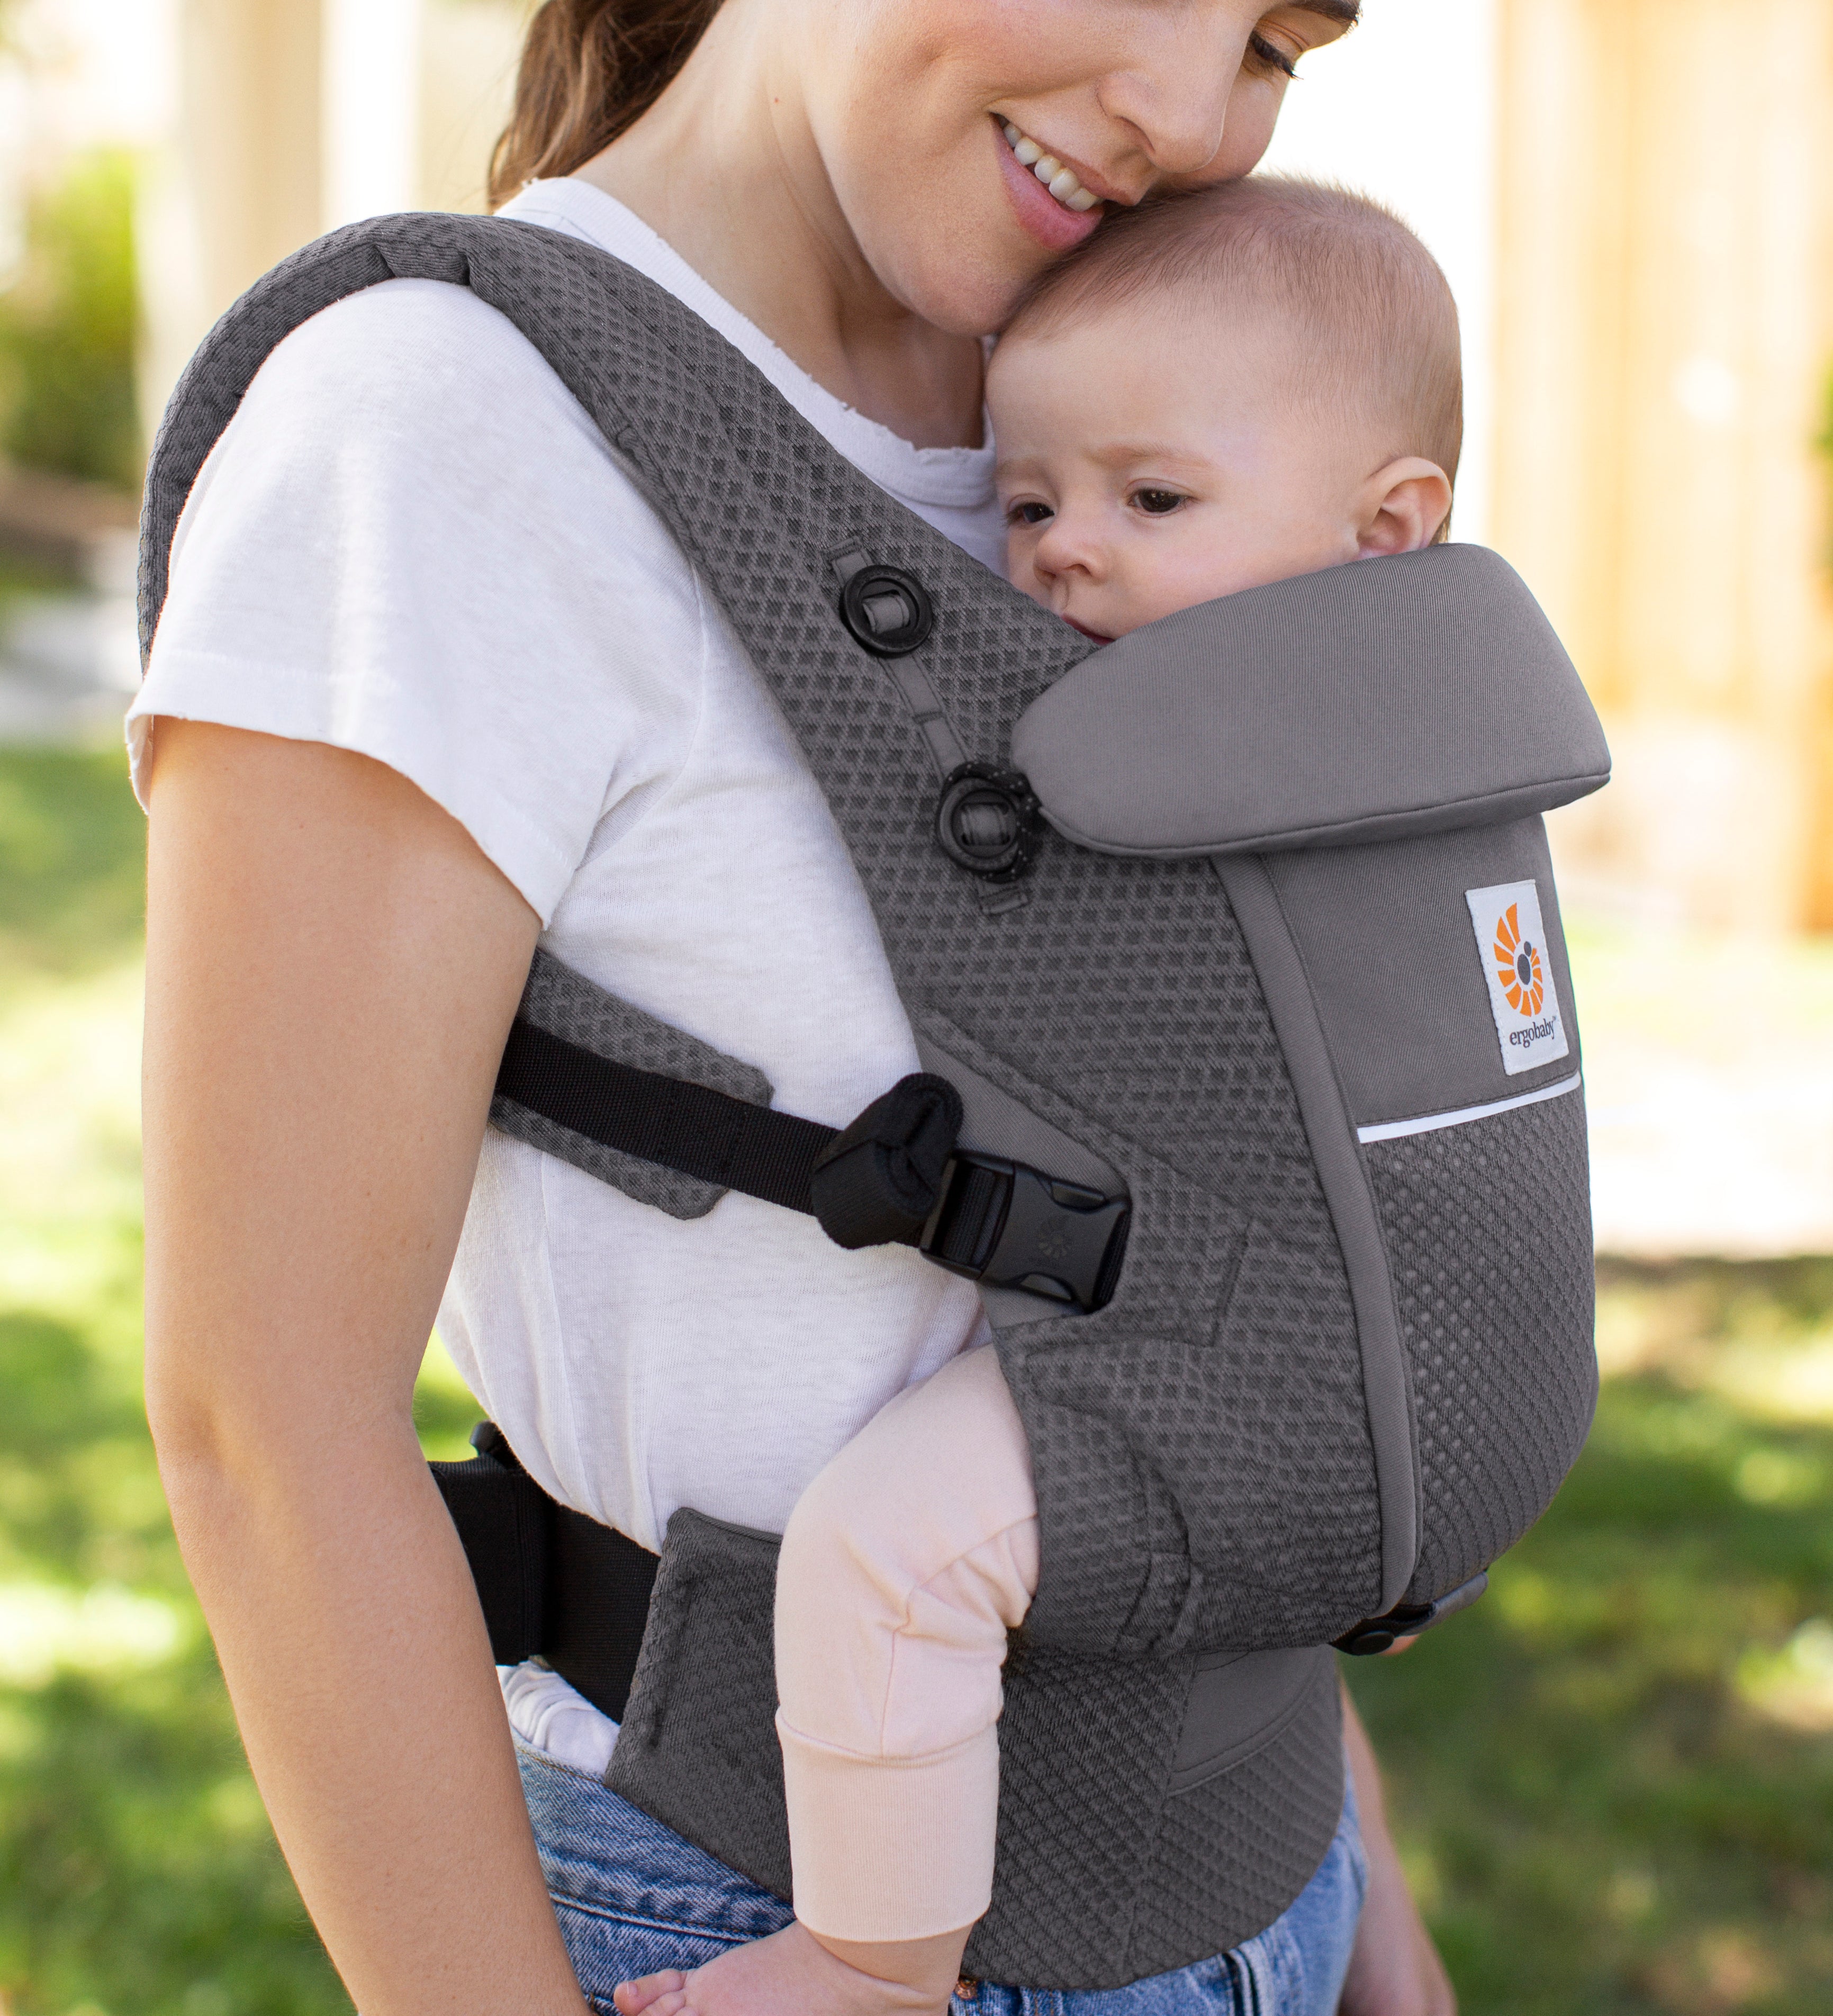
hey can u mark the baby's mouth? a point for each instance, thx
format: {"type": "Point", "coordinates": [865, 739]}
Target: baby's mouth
{"type": "Point", "coordinates": [1098, 636]}
{"type": "Point", "coordinates": [1063, 183]}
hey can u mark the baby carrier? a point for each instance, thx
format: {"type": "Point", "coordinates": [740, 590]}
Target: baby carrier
{"type": "Point", "coordinates": [1252, 1098]}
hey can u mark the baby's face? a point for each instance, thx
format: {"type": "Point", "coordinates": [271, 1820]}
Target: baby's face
{"type": "Point", "coordinates": [1150, 459]}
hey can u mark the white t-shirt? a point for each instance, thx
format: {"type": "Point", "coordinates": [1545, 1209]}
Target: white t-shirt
{"type": "Point", "coordinates": [411, 542]}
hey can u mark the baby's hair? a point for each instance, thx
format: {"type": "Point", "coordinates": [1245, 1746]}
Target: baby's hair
{"type": "Point", "coordinates": [1375, 323]}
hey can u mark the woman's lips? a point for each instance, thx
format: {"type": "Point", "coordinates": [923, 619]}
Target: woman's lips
{"type": "Point", "coordinates": [1053, 227]}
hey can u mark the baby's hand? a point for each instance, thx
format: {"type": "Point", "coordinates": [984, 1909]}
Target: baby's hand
{"type": "Point", "coordinates": [793, 1973]}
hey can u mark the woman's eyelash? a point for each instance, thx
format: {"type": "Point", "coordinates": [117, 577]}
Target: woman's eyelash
{"type": "Point", "coordinates": [1272, 55]}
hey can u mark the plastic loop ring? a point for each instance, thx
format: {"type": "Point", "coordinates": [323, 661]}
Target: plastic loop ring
{"type": "Point", "coordinates": [886, 611]}
{"type": "Point", "coordinates": [987, 821]}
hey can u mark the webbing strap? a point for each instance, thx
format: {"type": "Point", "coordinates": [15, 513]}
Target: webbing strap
{"type": "Point", "coordinates": [896, 1176]}
{"type": "Point", "coordinates": [670, 1121]}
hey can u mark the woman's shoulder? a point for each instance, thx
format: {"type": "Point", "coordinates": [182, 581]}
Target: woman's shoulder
{"type": "Point", "coordinates": [411, 541]}
{"type": "Point", "coordinates": [418, 366]}
{"type": "Point", "coordinates": [416, 411]}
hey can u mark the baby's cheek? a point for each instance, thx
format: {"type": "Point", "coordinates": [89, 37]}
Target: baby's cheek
{"type": "Point", "coordinates": [1020, 567]}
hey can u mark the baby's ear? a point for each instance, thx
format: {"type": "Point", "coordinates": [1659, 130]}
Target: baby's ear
{"type": "Point", "coordinates": [1401, 508]}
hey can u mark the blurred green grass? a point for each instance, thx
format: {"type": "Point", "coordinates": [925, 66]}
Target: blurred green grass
{"type": "Point", "coordinates": [1613, 1778]}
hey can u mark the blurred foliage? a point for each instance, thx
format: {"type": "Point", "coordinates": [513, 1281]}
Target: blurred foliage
{"type": "Point", "coordinates": [72, 879]}
{"type": "Point", "coordinates": [68, 322]}
{"type": "Point", "coordinates": [1613, 1778]}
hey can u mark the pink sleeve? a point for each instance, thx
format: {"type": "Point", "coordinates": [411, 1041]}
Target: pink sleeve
{"type": "Point", "coordinates": [905, 1563]}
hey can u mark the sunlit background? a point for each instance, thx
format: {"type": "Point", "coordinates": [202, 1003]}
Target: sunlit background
{"type": "Point", "coordinates": [1613, 1777]}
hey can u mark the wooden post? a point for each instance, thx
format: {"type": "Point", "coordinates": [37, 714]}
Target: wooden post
{"type": "Point", "coordinates": [1665, 318]}
{"type": "Point", "coordinates": [241, 181]}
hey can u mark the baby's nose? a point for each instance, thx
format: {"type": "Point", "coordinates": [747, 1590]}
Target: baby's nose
{"type": "Point", "coordinates": [1070, 544]}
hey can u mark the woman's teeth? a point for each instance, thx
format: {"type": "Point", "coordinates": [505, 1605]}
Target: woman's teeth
{"type": "Point", "coordinates": [1060, 182]}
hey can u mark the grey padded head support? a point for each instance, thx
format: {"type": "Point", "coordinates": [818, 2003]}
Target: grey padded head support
{"type": "Point", "coordinates": [1377, 701]}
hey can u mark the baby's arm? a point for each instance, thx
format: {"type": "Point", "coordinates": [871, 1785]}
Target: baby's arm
{"type": "Point", "coordinates": [904, 1564]}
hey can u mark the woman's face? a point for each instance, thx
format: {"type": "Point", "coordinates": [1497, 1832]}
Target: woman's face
{"type": "Point", "coordinates": [911, 104]}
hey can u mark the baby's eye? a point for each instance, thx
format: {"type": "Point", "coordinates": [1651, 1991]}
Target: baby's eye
{"type": "Point", "coordinates": [1028, 514]}
{"type": "Point", "coordinates": [1157, 501]}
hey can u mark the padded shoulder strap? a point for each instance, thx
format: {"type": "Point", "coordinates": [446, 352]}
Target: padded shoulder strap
{"type": "Point", "coordinates": [1394, 697]}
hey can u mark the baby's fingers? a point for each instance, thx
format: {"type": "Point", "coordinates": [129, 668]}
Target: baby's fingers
{"type": "Point", "coordinates": [631, 1997]}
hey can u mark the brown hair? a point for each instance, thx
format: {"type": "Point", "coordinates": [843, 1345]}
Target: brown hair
{"type": "Point", "coordinates": [1374, 324]}
{"type": "Point", "coordinates": [589, 69]}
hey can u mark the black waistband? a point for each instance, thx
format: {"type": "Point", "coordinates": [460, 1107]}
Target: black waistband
{"type": "Point", "coordinates": [550, 1581]}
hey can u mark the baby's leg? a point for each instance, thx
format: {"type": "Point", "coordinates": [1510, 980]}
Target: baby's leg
{"type": "Point", "coordinates": [904, 1564]}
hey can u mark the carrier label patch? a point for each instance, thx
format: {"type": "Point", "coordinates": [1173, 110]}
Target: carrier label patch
{"type": "Point", "coordinates": [1511, 942]}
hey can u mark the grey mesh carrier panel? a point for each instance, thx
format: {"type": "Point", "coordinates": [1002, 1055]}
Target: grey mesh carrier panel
{"type": "Point", "coordinates": [1338, 1368]}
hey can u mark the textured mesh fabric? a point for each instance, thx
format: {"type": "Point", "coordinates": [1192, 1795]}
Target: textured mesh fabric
{"type": "Point", "coordinates": [1489, 1230]}
{"type": "Point", "coordinates": [697, 1746]}
{"type": "Point", "coordinates": [1252, 1833]}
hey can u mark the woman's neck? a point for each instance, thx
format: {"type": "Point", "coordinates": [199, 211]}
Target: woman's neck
{"type": "Point", "coordinates": [725, 169]}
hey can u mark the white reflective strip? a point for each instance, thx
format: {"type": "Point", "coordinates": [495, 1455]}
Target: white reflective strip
{"type": "Point", "coordinates": [1429, 1123]}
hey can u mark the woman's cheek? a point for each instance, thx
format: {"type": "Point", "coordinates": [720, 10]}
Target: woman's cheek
{"type": "Point", "coordinates": [1253, 112]}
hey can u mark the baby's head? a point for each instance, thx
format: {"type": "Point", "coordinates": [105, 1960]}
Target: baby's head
{"type": "Point", "coordinates": [1221, 390]}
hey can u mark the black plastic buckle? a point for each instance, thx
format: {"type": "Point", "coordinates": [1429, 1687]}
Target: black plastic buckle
{"type": "Point", "coordinates": [1009, 1226]}
{"type": "Point", "coordinates": [1407, 1620]}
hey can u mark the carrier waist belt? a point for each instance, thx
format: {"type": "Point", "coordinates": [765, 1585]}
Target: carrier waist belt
{"type": "Point", "coordinates": [550, 1581]}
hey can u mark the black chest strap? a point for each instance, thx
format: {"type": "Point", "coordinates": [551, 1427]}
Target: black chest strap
{"type": "Point", "coordinates": [897, 1175]}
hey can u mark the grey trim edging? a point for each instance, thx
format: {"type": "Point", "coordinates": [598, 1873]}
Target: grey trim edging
{"type": "Point", "coordinates": [1256, 904]}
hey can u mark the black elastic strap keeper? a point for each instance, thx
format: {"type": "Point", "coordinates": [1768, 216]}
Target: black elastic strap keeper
{"type": "Point", "coordinates": [875, 1183]}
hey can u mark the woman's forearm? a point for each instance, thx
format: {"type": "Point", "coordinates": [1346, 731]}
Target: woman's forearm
{"type": "Point", "coordinates": [1395, 1969]}
{"type": "Point", "coordinates": [331, 965]}
{"type": "Point", "coordinates": [348, 1633]}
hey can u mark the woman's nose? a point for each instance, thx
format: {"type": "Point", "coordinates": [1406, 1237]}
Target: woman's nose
{"type": "Point", "coordinates": [1175, 92]}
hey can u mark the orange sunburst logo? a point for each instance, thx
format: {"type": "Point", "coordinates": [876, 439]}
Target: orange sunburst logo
{"type": "Point", "coordinates": [1517, 965]}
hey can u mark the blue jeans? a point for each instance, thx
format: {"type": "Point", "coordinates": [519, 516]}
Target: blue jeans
{"type": "Point", "coordinates": [632, 1898]}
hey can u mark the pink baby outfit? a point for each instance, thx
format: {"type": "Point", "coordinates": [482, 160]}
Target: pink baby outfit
{"type": "Point", "coordinates": [904, 1564]}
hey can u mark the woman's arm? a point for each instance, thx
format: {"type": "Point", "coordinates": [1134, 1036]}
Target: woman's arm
{"type": "Point", "coordinates": [331, 966]}
{"type": "Point", "coordinates": [1395, 1969]}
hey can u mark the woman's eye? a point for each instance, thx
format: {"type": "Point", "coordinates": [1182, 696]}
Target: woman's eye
{"type": "Point", "coordinates": [1157, 501]}
{"type": "Point", "coordinates": [1269, 56]}
{"type": "Point", "coordinates": [1028, 514]}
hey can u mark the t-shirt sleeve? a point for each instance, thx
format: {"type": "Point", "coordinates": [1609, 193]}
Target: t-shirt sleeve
{"type": "Point", "coordinates": [413, 543]}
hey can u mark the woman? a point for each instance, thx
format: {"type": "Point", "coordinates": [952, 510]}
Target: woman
{"type": "Point", "coordinates": [432, 683]}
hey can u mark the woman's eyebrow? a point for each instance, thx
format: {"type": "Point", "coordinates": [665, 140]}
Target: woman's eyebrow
{"type": "Point", "coordinates": [1347, 12]}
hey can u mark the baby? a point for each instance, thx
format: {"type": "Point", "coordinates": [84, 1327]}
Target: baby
{"type": "Point", "coordinates": [1216, 391]}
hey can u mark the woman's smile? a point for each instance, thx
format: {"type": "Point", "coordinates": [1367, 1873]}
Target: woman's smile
{"type": "Point", "coordinates": [1057, 212]}
{"type": "Point", "coordinates": [1064, 183]}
